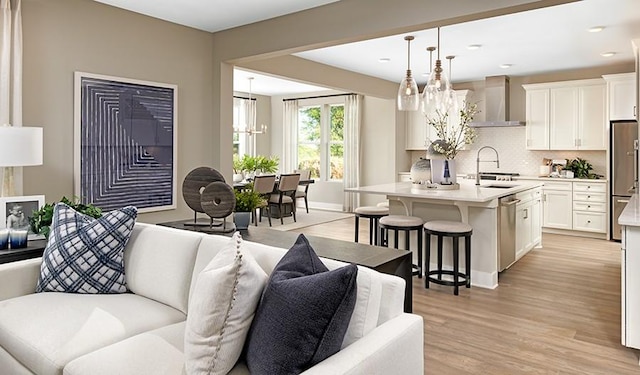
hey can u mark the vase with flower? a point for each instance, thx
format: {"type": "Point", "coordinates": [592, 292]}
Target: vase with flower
{"type": "Point", "coordinates": [449, 141]}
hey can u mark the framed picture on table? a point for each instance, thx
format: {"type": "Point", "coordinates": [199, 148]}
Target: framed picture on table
{"type": "Point", "coordinates": [15, 212]}
{"type": "Point", "coordinates": [125, 142]}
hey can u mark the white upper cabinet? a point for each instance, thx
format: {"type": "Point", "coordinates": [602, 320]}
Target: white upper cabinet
{"type": "Point", "coordinates": [621, 96]}
{"type": "Point", "coordinates": [566, 115]}
{"type": "Point", "coordinates": [537, 117]}
{"type": "Point", "coordinates": [416, 131]}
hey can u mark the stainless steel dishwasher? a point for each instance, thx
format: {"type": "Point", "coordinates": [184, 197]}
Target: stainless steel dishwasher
{"type": "Point", "coordinates": [507, 231]}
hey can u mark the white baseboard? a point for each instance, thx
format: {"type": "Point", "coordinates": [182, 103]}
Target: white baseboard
{"type": "Point", "coordinates": [575, 233]}
{"type": "Point", "coordinates": [324, 206]}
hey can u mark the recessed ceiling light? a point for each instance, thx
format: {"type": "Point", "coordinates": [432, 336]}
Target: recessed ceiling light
{"type": "Point", "coordinates": [506, 66]}
{"type": "Point", "coordinates": [607, 54]}
{"type": "Point", "coordinates": [596, 29]}
{"type": "Point", "coordinates": [474, 46]}
{"type": "Point", "coordinates": [384, 59]}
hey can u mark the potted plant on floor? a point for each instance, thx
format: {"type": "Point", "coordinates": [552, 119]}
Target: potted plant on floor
{"type": "Point", "coordinates": [247, 200]}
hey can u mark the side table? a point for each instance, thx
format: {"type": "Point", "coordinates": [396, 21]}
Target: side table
{"type": "Point", "coordinates": [34, 249]}
{"type": "Point", "coordinates": [382, 259]}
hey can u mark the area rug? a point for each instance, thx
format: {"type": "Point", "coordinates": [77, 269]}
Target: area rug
{"type": "Point", "coordinates": [305, 219]}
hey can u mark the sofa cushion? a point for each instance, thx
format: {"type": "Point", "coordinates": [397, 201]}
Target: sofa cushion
{"type": "Point", "coordinates": [163, 355]}
{"type": "Point", "coordinates": [303, 315]}
{"type": "Point", "coordinates": [85, 255]}
{"type": "Point", "coordinates": [365, 313]}
{"type": "Point", "coordinates": [158, 263]}
{"type": "Point", "coordinates": [221, 309]}
{"type": "Point", "coordinates": [45, 331]}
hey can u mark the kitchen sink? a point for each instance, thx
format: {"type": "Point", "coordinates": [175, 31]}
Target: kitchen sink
{"type": "Point", "coordinates": [498, 186]}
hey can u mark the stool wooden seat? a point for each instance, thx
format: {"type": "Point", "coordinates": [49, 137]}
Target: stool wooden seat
{"type": "Point", "coordinates": [407, 224]}
{"type": "Point", "coordinates": [455, 230]}
{"type": "Point", "coordinates": [373, 213]}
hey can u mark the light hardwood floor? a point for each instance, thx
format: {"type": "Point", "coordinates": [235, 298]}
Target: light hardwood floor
{"type": "Point", "coordinates": [556, 311]}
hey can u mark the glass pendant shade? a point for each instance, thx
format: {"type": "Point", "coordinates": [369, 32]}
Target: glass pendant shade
{"type": "Point", "coordinates": [438, 97]}
{"type": "Point", "coordinates": [408, 94]}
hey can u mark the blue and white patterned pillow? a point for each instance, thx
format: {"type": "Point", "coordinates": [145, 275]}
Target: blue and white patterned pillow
{"type": "Point", "coordinates": [86, 255]}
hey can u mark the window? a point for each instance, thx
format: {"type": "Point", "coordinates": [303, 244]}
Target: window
{"type": "Point", "coordinates": [321, 140]}
{"type": "Point", "coordinates": [242, 142]}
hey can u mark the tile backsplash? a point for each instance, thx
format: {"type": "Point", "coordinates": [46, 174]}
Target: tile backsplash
{"type": "Point", "coordinates": [514, 157]}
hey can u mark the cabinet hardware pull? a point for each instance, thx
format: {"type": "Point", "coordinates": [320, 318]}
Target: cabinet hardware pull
{"type": "Point", "coordinates": [588, 221]}
{"type": "Point", "coordinates": [526, 213]}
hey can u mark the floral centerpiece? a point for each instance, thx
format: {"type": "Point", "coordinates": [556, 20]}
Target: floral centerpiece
{"type": "Point", "coordinates": [451, 139]}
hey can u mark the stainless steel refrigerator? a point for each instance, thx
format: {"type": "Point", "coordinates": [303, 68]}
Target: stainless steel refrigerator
{"type": "Point", "coordinates": [624, 169]}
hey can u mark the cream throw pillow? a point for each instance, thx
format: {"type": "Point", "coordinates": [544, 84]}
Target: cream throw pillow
{"type": "Point", "coordinates": [221, 310]}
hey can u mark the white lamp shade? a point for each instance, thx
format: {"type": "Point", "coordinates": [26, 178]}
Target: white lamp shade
{"type": "Point", "coordinates": [20, 146]}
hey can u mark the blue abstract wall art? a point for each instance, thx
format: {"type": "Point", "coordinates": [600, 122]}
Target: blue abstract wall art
{"type": "Point", "coordinates": [125, 135]}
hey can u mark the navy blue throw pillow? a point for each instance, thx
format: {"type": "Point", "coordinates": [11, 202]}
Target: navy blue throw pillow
{"type": "Point", "coordinates": [303, 314]}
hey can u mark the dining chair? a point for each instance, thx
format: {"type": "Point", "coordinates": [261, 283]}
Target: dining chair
{"type": "Point", "coordinates": [303, 190]}
{"type": "Point", "coordinates": [264, 185]}
{"type": "Point", "coordinates": [285, 194]}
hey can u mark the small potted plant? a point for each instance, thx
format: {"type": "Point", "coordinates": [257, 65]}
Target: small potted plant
{"type": "Point", "coordinates": [247, 200]}
{"type": "Point", "coordinates": [267, 165]}
{"type": "Point", "coordinates": [238, 168]}
{"type": "Point", "coordinates": [40, 221]}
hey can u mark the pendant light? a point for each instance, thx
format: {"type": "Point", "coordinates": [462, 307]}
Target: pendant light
{"type": "Point", "coordinates": [424, 90]}
{"type": "Point", "coordinates": [408, 94]}
{"type": "Point", "coordinates": [438, 94]}
{"type": "Point", "coordinates": [250, 126]}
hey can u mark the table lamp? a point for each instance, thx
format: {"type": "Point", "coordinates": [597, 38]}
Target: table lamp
{"type": "Point", "coordinates": [19, 147]}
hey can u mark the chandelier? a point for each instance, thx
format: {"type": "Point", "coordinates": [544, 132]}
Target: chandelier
{"type": "Point", "coordinates": [250, 110]}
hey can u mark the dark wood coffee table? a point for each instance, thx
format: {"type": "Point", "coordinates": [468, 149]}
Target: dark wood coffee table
{"type": "Point", "coordinates": [382, 259]}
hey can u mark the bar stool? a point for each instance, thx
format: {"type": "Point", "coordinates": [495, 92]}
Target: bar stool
{"type": "Point", "coordinates": [455, 230]}
{"type": "Point", "coordinates": [383, 204]}
{"type": "Point", "coordinates": [373, 214]}
{"type": "Point", "coordinates": [407, 224]}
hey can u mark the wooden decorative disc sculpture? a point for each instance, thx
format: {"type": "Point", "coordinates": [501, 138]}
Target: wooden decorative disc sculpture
{"type": "Point", "coordinates": [193, 188]}
{"type": "Point", "coordinates": [218, 200]}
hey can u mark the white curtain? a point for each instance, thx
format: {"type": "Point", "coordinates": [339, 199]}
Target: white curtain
{"type": "Point", "coordinates": [352, 123]}
{"type": "Point", "coordinates": [250, 109]}
{"type": "Point", "coordinates": [11, 83]}
{"type": "Point", "coordinates": [289, 160]}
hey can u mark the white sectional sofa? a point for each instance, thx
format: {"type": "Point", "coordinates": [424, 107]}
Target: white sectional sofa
{"type": "Point", "coordinates": [142, 332]}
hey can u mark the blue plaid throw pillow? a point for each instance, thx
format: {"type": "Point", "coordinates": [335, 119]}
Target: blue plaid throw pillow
{"type": "Point", "coordinates": [85, 255]}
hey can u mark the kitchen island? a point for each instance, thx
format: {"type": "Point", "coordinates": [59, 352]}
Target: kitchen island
{"type": "Point", "coordinates": [491, 209]}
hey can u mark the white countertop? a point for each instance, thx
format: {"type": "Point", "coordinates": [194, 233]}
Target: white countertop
{"type": "Point", "coordinates": [631, 214]}
{"type": "Point", "coordinates": [468, 191]}
{"type": "Point", "coordinates": [600, 180]}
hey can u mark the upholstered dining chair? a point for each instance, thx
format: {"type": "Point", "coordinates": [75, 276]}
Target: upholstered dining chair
{"type": "Point", "coordinates": [264, 186]}
{"type": "Point", "coordinates": [285, 194]}
{"type": "Point", "coordinates": [303, 190]}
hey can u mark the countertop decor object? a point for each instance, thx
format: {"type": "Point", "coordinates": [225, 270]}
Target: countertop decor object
{"type": "Point", "coordinates": [421, 171]}
{"type": "Point", "coordinates": [450, 140]}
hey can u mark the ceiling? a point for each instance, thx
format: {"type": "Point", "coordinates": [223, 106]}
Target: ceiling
{"type": "Point", "coordinates": [534, 42]}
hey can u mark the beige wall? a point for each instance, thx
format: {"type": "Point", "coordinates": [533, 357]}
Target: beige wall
{"type": "Point", "coordinates": [63, 36]}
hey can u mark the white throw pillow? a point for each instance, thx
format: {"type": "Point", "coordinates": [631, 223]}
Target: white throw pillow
{"type": "Point", "coordinates": [365, 314]}
{"type": "Point", "coordinates": [221, 310]}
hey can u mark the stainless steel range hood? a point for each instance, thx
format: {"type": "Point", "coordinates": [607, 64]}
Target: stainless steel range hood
{"type": "Point", "coordinates": [496, 98]}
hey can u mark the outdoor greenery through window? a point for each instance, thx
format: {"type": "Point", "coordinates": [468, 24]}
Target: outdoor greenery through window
{"type": "Point", "coordinates": [321, 141]}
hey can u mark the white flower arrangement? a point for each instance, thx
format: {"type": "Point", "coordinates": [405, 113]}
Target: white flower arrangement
{"type": "Point", "coordinates": [450, 140]}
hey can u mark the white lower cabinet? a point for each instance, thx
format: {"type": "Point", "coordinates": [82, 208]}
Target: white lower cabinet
{"type": "Point", "coordinates": [558, 208]}
{"type": "Point", "coordinates": [575, 206]}
{"type": "Point", "coordinates": [528, 228]}
{"type": "Point", "coordinates": [630, 291]}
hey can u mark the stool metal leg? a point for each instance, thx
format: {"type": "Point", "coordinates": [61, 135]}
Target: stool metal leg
{"type": "Point", "coordinates": [395, 238]}
{"type": "Point", "coordinates": [419, 234]}
{"type": "Point", "coordinates": [370, 231]}
{"type": "Point", "coordinates": [439, 257]}
{"type": "Point", "coordinates": [467, 255]}
{"type": "Point", "coordinates": [427, 261]}
{"type": "Point", "coordinates": [455, 265]}
{"type": "Point", "coordinates": [375, 228]}
{"type": "Point", "coordinates": [357, 227]}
